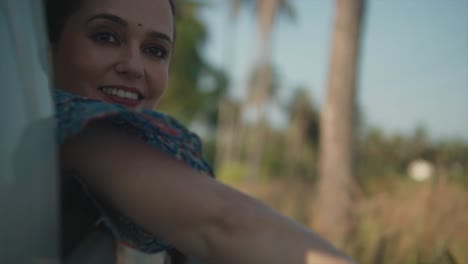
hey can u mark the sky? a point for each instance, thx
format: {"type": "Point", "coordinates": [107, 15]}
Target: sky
{"type": "Point", "coordinates": [413, 68]}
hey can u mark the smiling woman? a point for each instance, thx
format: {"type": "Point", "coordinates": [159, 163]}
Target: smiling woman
{"type": "Point", "coordinates": [142, 170]}
{"type": "Point", "coordinates": [102, 53]}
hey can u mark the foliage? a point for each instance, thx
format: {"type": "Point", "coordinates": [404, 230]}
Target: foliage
{"type": "Point", "coordinates": [381, 156]}
{"type": "Point", "coordinates": [410, 223]}
{"type": "Point", "coordinates": [413, 223]}
{"type": "Point", "coordinates": [194, 85]}
{"type": "Point", "coordinates": [286, 8]}
{"type": "Point", "coordinates": [232, 173]}
{"type": "Point", "coordinates": [404, 221]}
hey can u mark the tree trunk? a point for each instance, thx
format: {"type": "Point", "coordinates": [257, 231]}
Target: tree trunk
{"type": "Point", "coordinates": [225, 139]}
{"type": "Point", "coordinates": [258, 132]}
{"type": "Point", "coordinates": [266, 14]}
{"type": "Point", "coordinates": [333, 214]}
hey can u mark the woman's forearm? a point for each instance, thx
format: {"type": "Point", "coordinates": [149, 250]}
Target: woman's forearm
{"type": "Point", "coordinates": [265, 236]}
{"type": "Point", "coordinates": [197, 214]}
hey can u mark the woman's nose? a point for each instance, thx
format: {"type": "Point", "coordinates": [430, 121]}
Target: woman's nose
{"type": "Point", "coordinates": [130, 63]}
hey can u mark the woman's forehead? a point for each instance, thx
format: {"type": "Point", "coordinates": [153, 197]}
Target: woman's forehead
{"type": "Point", "coordinates": [153, 15]}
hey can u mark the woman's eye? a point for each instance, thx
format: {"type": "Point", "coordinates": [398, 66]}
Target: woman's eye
{"type": "Point", "coordinates": [106, 37]}
{"type": "Point", "coordinates": [155, 51]}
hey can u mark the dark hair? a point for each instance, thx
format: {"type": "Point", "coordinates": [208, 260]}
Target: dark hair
{"type": "Point", "coordinates": [58, 11]}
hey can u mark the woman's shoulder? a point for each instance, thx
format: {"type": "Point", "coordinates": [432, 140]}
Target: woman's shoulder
{"type": "Point", "coordinates": [74, 113]}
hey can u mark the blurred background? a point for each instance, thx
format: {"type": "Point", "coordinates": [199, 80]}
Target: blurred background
{"type": "Point", "coordinates": [349, 116]}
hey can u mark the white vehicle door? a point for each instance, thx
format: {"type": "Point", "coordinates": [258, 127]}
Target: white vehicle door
{"type": "Point", "coordinates": [29, 223]}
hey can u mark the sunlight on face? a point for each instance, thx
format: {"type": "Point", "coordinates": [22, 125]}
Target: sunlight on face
{"type": "Point", "coordinates": [117, 51]}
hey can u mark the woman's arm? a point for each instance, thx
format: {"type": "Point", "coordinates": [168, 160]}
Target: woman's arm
{"type": "Point", "coordinates": [200, 216]}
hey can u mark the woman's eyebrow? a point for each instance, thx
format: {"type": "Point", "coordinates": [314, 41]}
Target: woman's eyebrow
{"type": "Point", "coordinates": [110, 17]}
{"type": "Point", "coordinates": [120, 21]}
{"type": "Point", "coordinates": [159, 35]}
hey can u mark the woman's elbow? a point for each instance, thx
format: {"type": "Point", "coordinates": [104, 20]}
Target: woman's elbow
{"type": "Point", "coordinates": [221, 218]}
{"type": "Point", "coordinates": [234, 220]}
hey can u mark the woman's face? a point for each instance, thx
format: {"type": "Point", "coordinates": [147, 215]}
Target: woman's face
{"type": "Point", "coordinates": [117, 51]}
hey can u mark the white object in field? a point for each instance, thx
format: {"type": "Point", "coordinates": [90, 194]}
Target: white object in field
{"type": "Point", "coordinates": [420, 170]}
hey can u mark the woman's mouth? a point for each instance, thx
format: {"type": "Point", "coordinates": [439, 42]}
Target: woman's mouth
{"type": "Point", "coordinates": [126, 96]}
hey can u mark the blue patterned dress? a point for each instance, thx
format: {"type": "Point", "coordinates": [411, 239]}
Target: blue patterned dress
{"type": "Point", "coordinates": [74, 112]}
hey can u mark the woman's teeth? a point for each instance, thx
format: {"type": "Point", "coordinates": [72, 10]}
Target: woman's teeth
{"type": "Point", "coordinates": [120, 93]}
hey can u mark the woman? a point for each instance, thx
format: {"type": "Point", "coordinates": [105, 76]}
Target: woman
{"type": "Point", "coordinates": [141, 169]}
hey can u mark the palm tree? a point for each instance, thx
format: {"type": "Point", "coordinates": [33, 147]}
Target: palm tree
{"type": "Point", "coordinates": [335, 187]}
{"type": "Point", "coordinates": [302, 136]}
{"type": "Point", "coordinates": [230, 122]}
{"type": "Point", "coordinates": [267, 11]}
{"type": "Point", "coordinates": [225, 136]}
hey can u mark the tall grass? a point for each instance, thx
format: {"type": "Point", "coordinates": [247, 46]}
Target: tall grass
{"type": "Point", "coordinates": [407, 223]}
